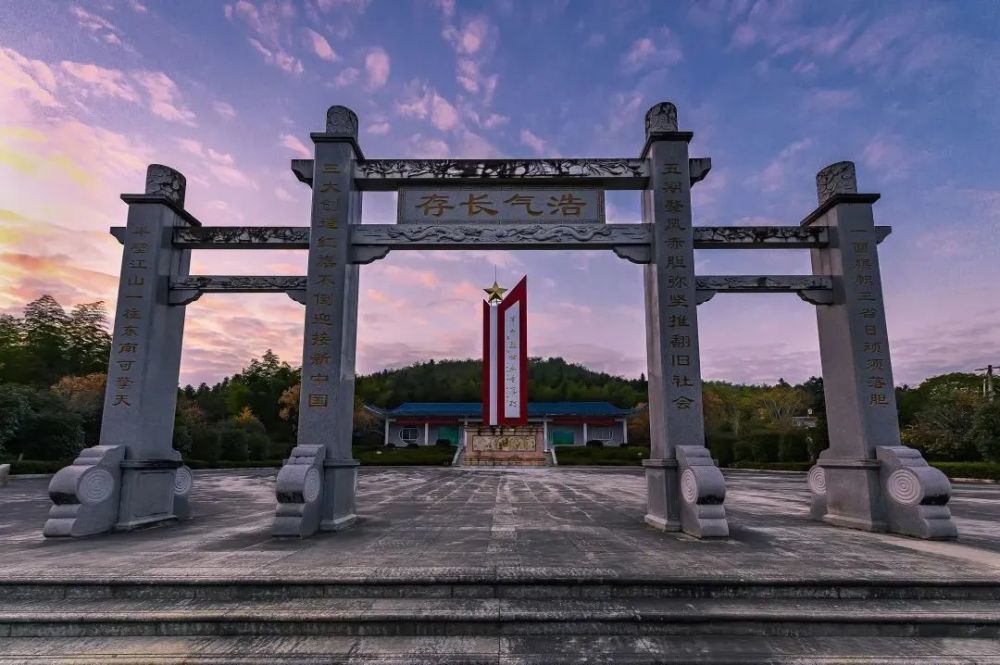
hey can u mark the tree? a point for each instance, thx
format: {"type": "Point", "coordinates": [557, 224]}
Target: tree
{"type": "Point", "coordinates": [85, 395]}
{"type": "Point", "coordinates": [88, 343]}
{"type": "Point", "coordinates": [15, 409]}
{"type": "Point", "coordinates": [985, 432]}
{"type": "Point", "coordinates": [46, 428]}
{"type": "Point", "coordinates": [942, 426]}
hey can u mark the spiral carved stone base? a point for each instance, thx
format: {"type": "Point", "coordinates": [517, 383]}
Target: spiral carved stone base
{"type": "Point", "coordinates": [299, 490]}
{"type": "Point", "coordinates": [687, 494]}
{"type": "Point", "coordinates": [86, 494]}
{"type": "Point", "coordinates": [915, 495]}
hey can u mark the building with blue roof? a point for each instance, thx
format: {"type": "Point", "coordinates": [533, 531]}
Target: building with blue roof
{"type": "Point", "coordinates": [562, 423]}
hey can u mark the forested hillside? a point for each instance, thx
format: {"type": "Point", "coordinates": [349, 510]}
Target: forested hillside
{"type": "Point", "coordinates": [52, 382]}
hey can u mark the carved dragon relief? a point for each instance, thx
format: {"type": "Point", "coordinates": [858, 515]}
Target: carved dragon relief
{"type": "Point", "coordinates": [814, 289]}
{"type": "Point", "coordinates": [290, 237]}
{"type": "Point", "coordinates": [500, 169]}
{"type": "Point", "coordinates": [186, 290]}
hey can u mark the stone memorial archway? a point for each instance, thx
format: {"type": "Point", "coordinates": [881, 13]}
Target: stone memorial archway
{"type": "Point", "coordinates": [866, 479]}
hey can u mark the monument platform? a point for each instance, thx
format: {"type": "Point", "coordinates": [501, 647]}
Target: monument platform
{"type": "Point", "coordinates": [508, 566]}
{"type": "Point", "coordinates": [517, 445]}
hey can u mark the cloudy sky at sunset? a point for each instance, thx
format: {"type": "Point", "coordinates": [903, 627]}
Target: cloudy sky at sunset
{"type": "Point", "coordinates": [227, 93]}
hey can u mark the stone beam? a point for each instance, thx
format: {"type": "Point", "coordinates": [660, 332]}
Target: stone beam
{"type": "Point", "coordinates": [391, 174]}
{"type": "Point", "coordinates": [242, 237]}
{"type": "Point", "coordinates": [188, 289]}
{"type": "Point", "coordinates": [758, 237]}
{"type": "Point", "coordinates": [500, 236]}
{"type": "Point", "coordinates": [815, 289]}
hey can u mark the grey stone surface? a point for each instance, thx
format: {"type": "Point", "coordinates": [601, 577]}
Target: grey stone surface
{"type": "Point", "coordinates": [515, 566]}
{"type": "Point", "coordinates": [498, 524]}
{"type": "Point", "coordinates": [143, 371]}
{"type": "Point", "coordinates": [673, 361]}
{"type": "Point", "coordinates": [861, 487]}
{"type": "Point", "coordinates": [330, 337]}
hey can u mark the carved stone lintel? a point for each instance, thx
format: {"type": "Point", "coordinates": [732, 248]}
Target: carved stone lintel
{"type": "Point", "coordinates": [390, 174]}
{"type": "Point", "coordinates": [634, 253]}
{"type": "Point", "coordinates": [838, 178]}
{"type": "Point", "coordinates": [166, 182]}
{"type": "Point", "coordinates": [702, 296]}
{"type": "Point", "coordinates": [365, 254]}
{"type": "Point", "coordinates": [764, 283]}
{"type": "Point", "coordinates": [188, 289]}
{"type": "Point", "coordinates": [661, 118]}
{"type": "Point", "coordinates": [698, 168]}
{"type": "Point", "coordinates": [85, 494]}
{"type": "Point", "coordinates": [816, 296]}
{"type": "Point", "coordinates": [242, 237]}
{"type": "Point", "coordinates": [514, 236]}
{"type": "Point", "coordinates": [759, 237]}
{"type": "Point", "coordinates": [303, 170]}
{"type": "Point", "coordinates": [183, 296]}
{"type": "Point", "coordinates": [342, 121]}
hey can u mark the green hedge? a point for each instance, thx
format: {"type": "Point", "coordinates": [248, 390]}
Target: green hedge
{"type": "Point", "coordinates": [391, 456]}
{"type": "Point", "coordinates": [978, 470]}
{"type": "Point", "coordinates": [35, 466]}
{"type": "Point", "coordinates": [611, 456]}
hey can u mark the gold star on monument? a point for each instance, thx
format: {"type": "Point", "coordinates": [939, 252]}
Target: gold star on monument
{"type": "Point", "coordinates": [495, 292]}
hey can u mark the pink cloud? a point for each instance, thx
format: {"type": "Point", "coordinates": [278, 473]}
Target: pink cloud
{"type": "Point", "coordinates": [377, 64]}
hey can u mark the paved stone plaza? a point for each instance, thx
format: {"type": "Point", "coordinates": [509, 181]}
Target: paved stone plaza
{"type": "Point", "coordinates": [521, 566]}
{"type": "Point", "coordinates": [505, 520]}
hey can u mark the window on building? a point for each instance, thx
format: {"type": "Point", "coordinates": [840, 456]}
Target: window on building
{"type": "Point", "coordinates": [599, 433]}
{"type": "Point", "coordinates": [562, 437]}
{"type": "Point", "coordinates": [409, 434]}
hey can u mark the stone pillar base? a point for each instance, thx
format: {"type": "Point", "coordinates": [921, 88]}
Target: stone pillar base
{"type": "Point", "coordinates": [340, 481]}
{"type": "Point", "coordinates": [85, 494]}
{"type": "Point", "coordinates": [686, 494]}
{"type": "Point", "coordinates": [662, 494]}
{"type": "Point", "coordinates": [915, 495]}
{"type": "Point", "coordinates": [299, 490]}
{"type": "Point", "coordinates": [850, 493]}
{"type": "Point", "coordinates": [147, 493]}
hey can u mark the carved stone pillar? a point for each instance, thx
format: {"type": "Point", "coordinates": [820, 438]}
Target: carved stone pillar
{"type": "Point", "coordinates": [326, 407]}
{"type": "Point", "coordinates": [131, 478]}
{"type": "Point", "coordinates": [685, 488]}
{"type": "Point", "coordinates": [865, 479]}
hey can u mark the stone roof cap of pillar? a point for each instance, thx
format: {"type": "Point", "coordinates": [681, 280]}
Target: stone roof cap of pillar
{"type": "Point", "coordinates": [341, 127]}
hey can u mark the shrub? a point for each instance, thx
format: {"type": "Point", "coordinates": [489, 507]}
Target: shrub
{"type": "Point", "coordinates": [234, 442]}
{"type": "Point", "coordinates": [413, 445]}
{"type": "Point", "coordinates": [444, 443]}
{"type": "Point", "coordinates": [742, 451]}
{"type": "Point", "coordinates": [594, 443]}
{"type": "Point", "coordinates": [722, 447]}
{"type": "Point", "coordinates": [794, 447]}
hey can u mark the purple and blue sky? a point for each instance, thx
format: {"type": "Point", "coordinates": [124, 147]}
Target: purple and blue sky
{"type": "Point", "coordinates": [227, 93]}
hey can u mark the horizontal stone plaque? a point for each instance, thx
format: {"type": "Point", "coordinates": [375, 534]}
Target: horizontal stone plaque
{"type": "Point", "coordinates": [501, 204]}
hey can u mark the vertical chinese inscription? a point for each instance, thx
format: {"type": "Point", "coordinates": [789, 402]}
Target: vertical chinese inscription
{"type": "Point", "coordinates": [671, 311]}
{"type": "Point", "coordinates": [678, 257]}
{"type": "Point", "coordinates": [859, 254]}
{"type": "Point", "coordinates": [323, 297]}
{"type": "Point", "coordinates": [130, 329]}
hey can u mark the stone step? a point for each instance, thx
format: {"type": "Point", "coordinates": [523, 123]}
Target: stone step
{"type": "Point", "coordinates": [593, 650]}
{"type": "Point", "coordinates": [499, 617]}
{"type": "Point", "coordinates": [458, 583]}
